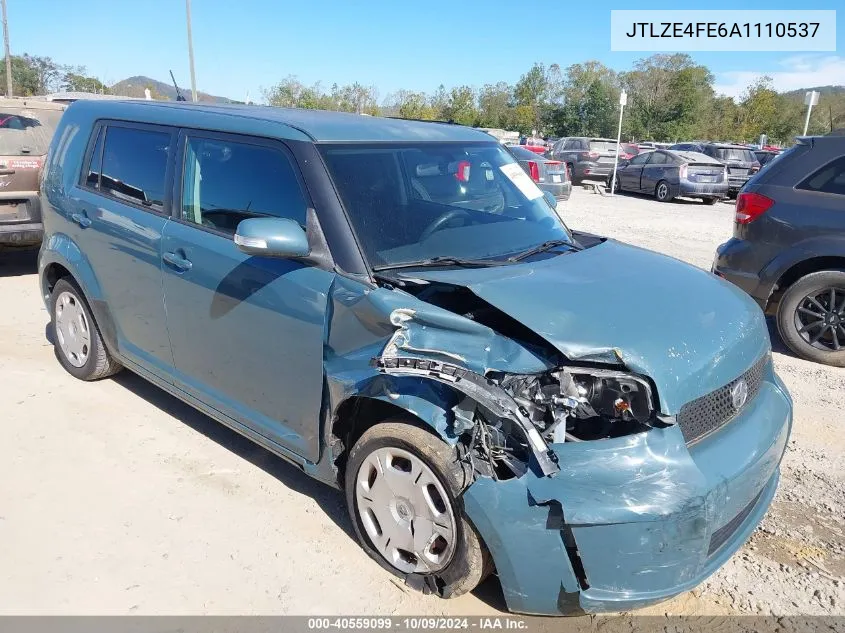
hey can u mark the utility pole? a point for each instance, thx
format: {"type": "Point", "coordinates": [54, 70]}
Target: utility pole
{"type": "Point", "coordinates": [8, 54]}
{"type": "Point", "coordinates": [623, 99]}
{"type": "Point", "coordinates": [810, 99]}
{"type": "Point", "coordinates": [190, 51]}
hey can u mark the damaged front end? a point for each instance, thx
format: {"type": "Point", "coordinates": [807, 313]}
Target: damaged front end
{"type": "Point", "coordinates": [583, 489]}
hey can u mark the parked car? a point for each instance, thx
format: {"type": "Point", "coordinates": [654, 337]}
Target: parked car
{"type": "Point", "coordinates": [628, 150]}
{"type": "Point", "coordinates": [667, 174]}
{"type": "Point", "coordinates": [393, 307]}
{"type": "Point", "coordinates": [788, 248]}
{"type": "Point", "coordinates": [586, 158]}
{"type": "Point", "coordinates": [765, 156]}
{"type": "Point", "coordinates": [740, 161]}
{"type": "Point", "coordinates": [26, 128]}
{"type": "Point", "coordinates": [550, 175]}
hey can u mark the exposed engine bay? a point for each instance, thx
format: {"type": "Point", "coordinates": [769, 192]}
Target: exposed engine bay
{"type": "Point", "coordinates": [507, 420]}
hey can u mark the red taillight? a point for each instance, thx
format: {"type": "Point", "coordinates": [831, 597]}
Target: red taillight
{"type": "Point", "coordinates": [534, 171]}
{"type": "Point", "coordinates": [750, 206]}
{"type": "Point", "coordinates": [462, 172]}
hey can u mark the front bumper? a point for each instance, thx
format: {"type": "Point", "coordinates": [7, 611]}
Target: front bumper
{"type": "Point", "coordinates": [635, 520]}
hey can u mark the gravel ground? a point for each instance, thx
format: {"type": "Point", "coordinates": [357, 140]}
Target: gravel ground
{"type": "Point", "coordinates": [117, 498]}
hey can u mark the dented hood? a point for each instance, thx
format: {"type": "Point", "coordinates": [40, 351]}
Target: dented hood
{"type": "Point", "coordinates": [685, 328]}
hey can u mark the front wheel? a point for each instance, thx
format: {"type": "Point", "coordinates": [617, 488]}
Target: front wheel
{"type": "Point", "coordinates": [663, 192]}
{"type": "Point", "coordinates": [402, 488]}
{"type": "Point", "coordinates": [811, 317]}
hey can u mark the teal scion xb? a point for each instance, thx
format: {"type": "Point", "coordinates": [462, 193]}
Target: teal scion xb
{"type": "Point", "coordinates": [396, 308]}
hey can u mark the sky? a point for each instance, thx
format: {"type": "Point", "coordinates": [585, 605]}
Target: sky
{"type": "Point", "coordinates": [246, 46]}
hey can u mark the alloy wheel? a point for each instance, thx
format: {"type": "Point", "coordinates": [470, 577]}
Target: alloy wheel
{"type": "Point", "coordinates": [662, 191]}
{"type": "Point", "coordinates": [405, 511]}
{"type": "Point", "coordinates": [72, 329]}
{"type": "Point", "coordinates": [820, 319]}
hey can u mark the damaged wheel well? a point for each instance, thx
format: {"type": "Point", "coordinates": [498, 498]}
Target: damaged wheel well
{"type": "Point", "coordinates": [359, 413]}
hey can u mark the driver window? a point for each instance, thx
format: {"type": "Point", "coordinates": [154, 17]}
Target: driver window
{"type": "Point", "coordinates": [225, 182]}
{"type": "Point", "coordinates": [640, 159]}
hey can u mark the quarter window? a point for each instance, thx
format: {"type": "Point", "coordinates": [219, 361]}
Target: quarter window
{"type": "Point", "coordinates": [92, 178]}
{"type": "Point", "coordinates": [828, 179]}
{"type": "Point", "coordinates": [134, 163]}
{"type": "Point", "coordinates": [225, 182]}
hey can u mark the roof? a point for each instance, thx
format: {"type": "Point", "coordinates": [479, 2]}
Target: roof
{"type": "Point", "coordinates": [76, 96]}
{"type": "Point", "coordinates": [692, 157]}
{"type": "Point", "coordinates": [318, 125]}
{"type": "Point", "coordinates": [32, 103]}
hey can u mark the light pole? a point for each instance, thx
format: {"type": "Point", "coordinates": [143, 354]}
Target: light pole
{"type": "Point", "coordinates": [810, 99]}
{"type": "Point", "coordinates": [623, 100]}
{"type": "Point", "coordinates": [8, 55]}
{"type": "Point", "coordinates": [190, 52]}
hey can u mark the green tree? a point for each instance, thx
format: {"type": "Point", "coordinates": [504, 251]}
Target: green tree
{"type": "Point", "coordinates": [494, 105]}
{"type": "Point", "coordinates": [78, 82]}
{"type": "Point", "coordinates": [460, 107]}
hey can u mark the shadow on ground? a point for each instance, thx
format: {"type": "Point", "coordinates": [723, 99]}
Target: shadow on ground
{"type": "Point", "coordinates": [18, 262]}
{"type": "Point", "coordinates": [331, 501]}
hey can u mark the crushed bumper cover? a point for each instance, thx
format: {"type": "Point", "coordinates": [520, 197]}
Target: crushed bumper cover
{"type": "Point", "coordinates": [632, 521]}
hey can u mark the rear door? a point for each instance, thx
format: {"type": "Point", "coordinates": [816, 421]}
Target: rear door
{"type": "Point", "coordinates": [656, 170]}
{"type": "Point", "coordinates": [117, 216]}
{"type": "Point", "coordinates": [247, 332]}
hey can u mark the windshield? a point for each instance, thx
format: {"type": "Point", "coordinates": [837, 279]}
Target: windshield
{"type": "Point", "coordinates": [735, 153]}
{"type": "Point", "coordinates": [26, 131]}
{"type": "Point", "coordinates": [413, 202]}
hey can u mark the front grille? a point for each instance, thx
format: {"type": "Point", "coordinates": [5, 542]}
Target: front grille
{"type": "Point", "coordinates": [712, 411]}
{"type": "Point", "coordinates": [718, 538]}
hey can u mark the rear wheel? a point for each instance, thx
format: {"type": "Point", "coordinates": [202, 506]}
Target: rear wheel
{"type": "Point", "coordinates": [663, 192]}
{"type": "Point", "coordinates": [403, 487]}
{"type": "Point", "coordinates": [811, 317]}
{"type": "Point", "coordinates": [711, 201]}
{"type": "Point", "coordinates": [76, 338]}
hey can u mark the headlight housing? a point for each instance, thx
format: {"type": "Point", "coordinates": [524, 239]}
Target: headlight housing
{"type": "Point", "coordinates": [582, 403]}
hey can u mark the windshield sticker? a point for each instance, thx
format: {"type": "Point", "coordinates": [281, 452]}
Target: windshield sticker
{"type": "Point", "coordinates": [518, 177]}
{"type": "Point", "coordinates": [25, 163]}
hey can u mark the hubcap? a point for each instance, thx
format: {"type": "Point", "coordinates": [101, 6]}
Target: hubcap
{"type": "Point", "coordinates": [72, 330]}
{"type": "Point", "coordinates": [820, 319]}
{"type": "Point", "coordinates": [405, 511]}
{"type": "Point", "coordinates": [662, 190]}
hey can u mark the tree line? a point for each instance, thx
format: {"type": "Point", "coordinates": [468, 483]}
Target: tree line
{"type": "Point", "coordinates": [670, 98]}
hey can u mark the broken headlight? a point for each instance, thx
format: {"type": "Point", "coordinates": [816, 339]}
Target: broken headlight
{"type": "Point", "coordinates": [577, 404]}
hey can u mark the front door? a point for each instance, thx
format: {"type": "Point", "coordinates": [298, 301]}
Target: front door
{"type": "Point", "coordinates": [630, 175]}
{"type": "Point", "coordinates": [247, 332]}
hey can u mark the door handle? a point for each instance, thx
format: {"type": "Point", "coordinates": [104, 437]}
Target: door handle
{"type": "Point", "coordinates": [81, 219]}
{"type": "Point", "coordinates": [178, 262]}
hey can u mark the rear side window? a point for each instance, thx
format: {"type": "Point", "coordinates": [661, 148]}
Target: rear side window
{"type": "Point", "coordinates": [828, 179]}
{"type": "Point", "coordinates": [226, 181]}
{"type": "Point", "coordinates": [130, 164]}
{"type": "Point", "coordinates": [658, 158]}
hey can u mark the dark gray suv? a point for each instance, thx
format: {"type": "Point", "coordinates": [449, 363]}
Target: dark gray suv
{"type": "Point", "coordinates": [788, 248]}
{"type": "Point", "coordinates": [586, 158]}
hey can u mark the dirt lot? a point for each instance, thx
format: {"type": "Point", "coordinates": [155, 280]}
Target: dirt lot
{"type": "Point", "coordinates": [117, 498]}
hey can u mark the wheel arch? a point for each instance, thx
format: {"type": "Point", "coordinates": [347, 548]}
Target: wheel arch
{"type": "Point", "coordinates": [357, 413]}
{"type": "Point", "coordinates": [60, 258]}
{"type": "Point", "coordinates": [788, 268]}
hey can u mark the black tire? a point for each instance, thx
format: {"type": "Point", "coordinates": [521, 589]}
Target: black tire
{"type": "Point", "coordinates": [616, 186]}
{"type": "Point", "coordinates": [99, 363]}
{"type": "Point", "coordinates": [711, 201]}
{"type": "Point", "coordinates": [470, 562]}
{"type": "Point", "coordinates": [788, 314]}
{"type": "Point", "coordinates": [663, 192]}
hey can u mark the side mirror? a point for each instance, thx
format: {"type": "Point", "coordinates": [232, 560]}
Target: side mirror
{"type": "Point", "coordinates": [550, 198]}
{"type": "Point", "coordinates": [271, 237]}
